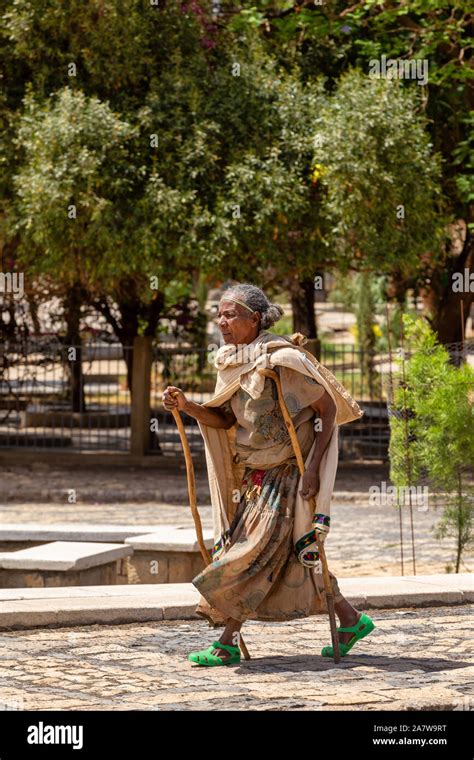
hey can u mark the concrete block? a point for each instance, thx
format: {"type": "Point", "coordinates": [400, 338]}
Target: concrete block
{"type": "Point", "coordinates": [170, 538]}
{"type": "Point", "coordinates": [27, 534]}
{"type": "Point", "coordinates": [64, 555]}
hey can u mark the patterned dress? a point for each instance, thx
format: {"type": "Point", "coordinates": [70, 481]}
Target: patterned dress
{"type": "Point", "coordinates": [259, 577]}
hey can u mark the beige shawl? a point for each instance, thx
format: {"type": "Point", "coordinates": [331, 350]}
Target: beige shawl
{"type": "Point", "coordinates": [238, 367]}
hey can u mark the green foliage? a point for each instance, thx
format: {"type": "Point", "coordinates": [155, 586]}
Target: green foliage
{"type": "Point", "coordinates": [118, 48]}
{"type": "Point", "coordinates": [343, 291]}
{"type": "Point", "coordinates": [432, 433]}
{"type": "Point", "coordinates": [396, 313]}
{"type": "Point", "coordinates": [75, 149]}
{"type": "Point", "coordinates": [413, 382]}
{"type": "Point", "coordinates": [227, 140]}
{"type": "Point", "coordinates": [377, 158]}
{"type": "Point", "coordinates": [464, 159]}
{"type": "Point", "coordinates": [266, 211]}
{"type": "Point", "coordinates": [284, 326]}
{"type": "Point", "coordinates": [330, 38]}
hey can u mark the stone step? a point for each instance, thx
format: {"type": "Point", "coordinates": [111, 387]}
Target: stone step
{"type": "Point", "coordinates": [170, 538]}
{"type": "Point", "coordinates": [64, 555]}
{"type": "Point", "coordinates": [23, 608]}
{"type": "Point", "coordinates": [64, 563]}
{"type": "Point", "coordinates": [170, 555]}
{"type": "Point", "coordinates": [35, 532]}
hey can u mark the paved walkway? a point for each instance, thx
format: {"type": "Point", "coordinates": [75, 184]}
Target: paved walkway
{"type": "Point", "coordinates": [415, 659]}
{"type": "Point", "coordinates": [418, 657]}
{"type": "Point", "coordinates": [48, 483]}
{"type": "Point", "coordinates": [364, 540]}
{"type": "Point", "coordinates": [135, 496]}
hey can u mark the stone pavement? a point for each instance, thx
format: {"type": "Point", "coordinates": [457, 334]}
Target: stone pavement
{"type": "Point", "coordinates": [133, 496]}
{"type": "Point", "coordinates": [42, 482]}
{"type": "Point", "coordinates": [364, 540]}
{"type": "Point", "coordinates": [415, 659]}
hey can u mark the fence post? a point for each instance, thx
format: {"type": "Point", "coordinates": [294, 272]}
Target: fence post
{"type": "Point", "coordinates": [141, 379]}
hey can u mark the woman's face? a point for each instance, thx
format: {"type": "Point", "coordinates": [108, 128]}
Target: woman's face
{"type": "Point", "coordinates": [236, 323]}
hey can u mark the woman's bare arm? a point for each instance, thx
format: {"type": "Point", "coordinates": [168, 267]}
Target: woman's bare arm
{"type": "Point", "coordinates": [174, 398]}
{"type": "Point", "coordinates": [215, 417]}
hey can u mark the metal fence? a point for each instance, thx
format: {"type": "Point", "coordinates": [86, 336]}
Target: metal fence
{"type": "Point", "coordinates": [191, 371]}
{"type": "Point", "coordinates": [54, 396]}
{"type": "Point", "coordinates": [78, 398]}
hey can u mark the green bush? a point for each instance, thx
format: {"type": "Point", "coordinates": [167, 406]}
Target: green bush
{"type": "Point", "coordinates": [432, 429]}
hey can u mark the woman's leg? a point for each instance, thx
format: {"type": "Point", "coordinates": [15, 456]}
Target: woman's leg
{"type": "Point", "coordinates": [348, 616]}
{"type": "Point", "coordinates": [229, 637]}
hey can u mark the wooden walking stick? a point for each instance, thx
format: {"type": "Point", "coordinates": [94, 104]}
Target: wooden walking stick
{"type": "Point", "coordinates": [193, 501]}
{"type": "Point", "coordinates": [299, 458]}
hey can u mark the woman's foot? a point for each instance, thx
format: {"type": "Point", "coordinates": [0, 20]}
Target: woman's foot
{"type": "Point", "coordinates": [348, 617]}
{"type": "Point", "coordinates": [224, 654]}
{"type": "Point", "coordinates": [230, 637]}
{"type": "Point", "coordinates": [346, 636]}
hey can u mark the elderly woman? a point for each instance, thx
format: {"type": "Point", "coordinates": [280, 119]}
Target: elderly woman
{"type": "Point", "coordinates": [265, 560]}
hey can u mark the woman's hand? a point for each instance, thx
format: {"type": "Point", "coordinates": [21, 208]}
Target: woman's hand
{"type": "Point", "coordinates": [310, 484]}
{"type": "Point", "coordinates": [174, 398]}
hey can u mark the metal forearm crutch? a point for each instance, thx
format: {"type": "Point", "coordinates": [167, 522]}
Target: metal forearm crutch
{"type": "Point", "coordinates": [193, 502]}
{"type": "Point", "coordinates": [299, 458]}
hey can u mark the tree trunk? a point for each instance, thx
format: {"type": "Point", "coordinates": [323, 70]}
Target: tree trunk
{"type": "Point", "coordinates": [72, 314]}
{"type": "Point", "coordinates": [443, 303]}
{"type": "Point", "coordinates": [366, 337]}
{"type": "Point", "coordinates": [302, 304]}
{"type": "Point", "coordinates": [129, 311]}
{"type": "Point", "coordinates": [132, 312]}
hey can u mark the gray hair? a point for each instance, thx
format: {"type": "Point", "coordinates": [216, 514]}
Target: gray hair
{"type": "Point", "coordinates": [257, 300]}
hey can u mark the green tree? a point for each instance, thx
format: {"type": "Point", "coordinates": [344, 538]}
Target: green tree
{"type": "Point", "coordinates": [330, 38]}
{"type": "Point", "coordinates": [207, 119]}
{"type": "Point", "coordinates": [433, 433]}
{"type": "Point", "coordinates": [85, 214]}
{"type": "Point", "coordinates": [380, 176]}
{"type": "Point", "coordinates": [227, 139]}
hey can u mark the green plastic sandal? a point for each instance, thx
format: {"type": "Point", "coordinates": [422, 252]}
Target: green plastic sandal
{"type": "Point", "coordinates": [362, 628]}
{"type": "Point", "coordinates": [204, 657]}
